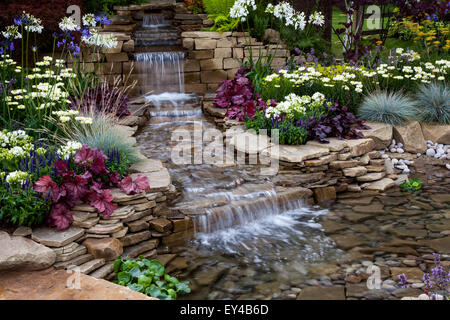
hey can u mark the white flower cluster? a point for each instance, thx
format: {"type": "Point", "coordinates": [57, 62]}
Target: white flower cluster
{"type": "Point", "coordinates": [68, 24]}
{"type": "Point", "coordinates": [16, 178]}
{"type": "Point", "coordinates": [10, 139]}
{"type": "Point", "coordinates": [409, 67]}
{"type": "Point", "coordinates": [89, 20]}
{"type": "Point", "coordinates": [11, 33]}
{"type": "Point", "coordinates": [345, 77]}
{"type": "Point", "coordinates": [285, 12]}
{"type": "Point", "coordinates": [69, 149]}
{"type": "Point", "coordinates": [33, 24]}
{"type": "Point", "coordinates": [102, 40]}
{"type": "Point", "coordinates": [294, 104]}
{"type": "Point", "coordinates": [317, 19]}
{"type": "Point", "coordinates": [65, 116]}
{"type": "Point", "coordinates": [240, 9]}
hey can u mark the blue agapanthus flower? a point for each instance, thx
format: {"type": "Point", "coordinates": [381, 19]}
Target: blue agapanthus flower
{"type": "Point", "coordinates": [102, 18]}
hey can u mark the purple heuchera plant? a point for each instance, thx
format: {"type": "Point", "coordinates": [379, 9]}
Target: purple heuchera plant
{"type": "Point", "coordinates": [238, 97]}
{"type": "Point", "coordinates": [336, 122]}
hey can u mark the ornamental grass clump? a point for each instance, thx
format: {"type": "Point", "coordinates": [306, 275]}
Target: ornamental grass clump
{"type": "Point", "coordinates": [433, 103]}
{"type": "Point", "coordinates": [387, 107]}
{"type": "Point", "coordinates": [98, 130]}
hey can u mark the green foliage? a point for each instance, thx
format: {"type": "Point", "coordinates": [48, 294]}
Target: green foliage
{"type": "Point", "coordinates": [21, 207]}
{"type": "Point", "coordinates": [305, 40]}
{"type": "Point", "coordinates": [218, 7]}
{"type": "Point", "coordinates": [107, 6]}
{"type": "Point", "coordinates": [413, 184]}
{"type": "Point", "coordinates": [223, 23]}
{"type": "Point", "coordinates": [260, 24]}
{"type": "Point", "coordinates": [289, 133]}
{"type": "Point", "coordinates": [117, 162]}
{"type": "Point", "coordinates": [392, 108]}
{"type": "Point", "coordinates": [433, 103]}
{"type": "Point", "coordinates": [149, 277]}
{"type": "Point", "coordinates": [259, 69]}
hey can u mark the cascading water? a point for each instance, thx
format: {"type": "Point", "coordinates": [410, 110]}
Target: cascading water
{"type": "Point", "coordinates": [154, 21]}
{"type": "Point", "coordinates": [160, 71]}
{"type": "Point", "coordinates": [236, 212]}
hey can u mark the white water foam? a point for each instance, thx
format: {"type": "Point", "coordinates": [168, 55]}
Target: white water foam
{"type": "Point", "coordinates": [285, 227]}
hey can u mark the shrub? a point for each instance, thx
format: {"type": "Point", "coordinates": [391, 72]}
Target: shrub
{"type": "Point", "coordinates": [392, 108]}
{"type": "Point", "coordinates": [433, 103]}
{"type": "Point", "coordinates": [148, 277]}
{"type": "Point", "coordinates": [20, 206]}
{"type": "Point", "coordinates": [218, 7]}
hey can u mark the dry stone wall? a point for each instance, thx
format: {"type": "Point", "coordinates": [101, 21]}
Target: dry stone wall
{"type": "Point", "coordinates": [141, 225]}
{"type": "Point", "coordinates": [213, 57]}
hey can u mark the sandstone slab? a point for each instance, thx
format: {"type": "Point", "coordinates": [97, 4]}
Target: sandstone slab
{"type": "Point", "coordinates": [52, 285]}
{"type": "Point", "coordinates": [19, 253]}
{"type": "Point", "coordinates": [355, 171]}
{"type": "Point", "coordinates": [53, 238]}
{"type": "Point", "coordinates": [359, 147]}
{"type": "Point", "coordinates": [322, 293]}
{"type": "Point", "coordinates": [158, 180]}
{"type": "Point", "coordinates": [410, 135]}
{"type": "Point", "coordinates": [380, 133]}
{"type": "Point", "coordinates": [436, 133]}
{"type": "Point", "coordinates": [380, 185]}
{"type": "Point", "coordinates": [296, 154]}
{"type": "Point", "coordinates": [334, 144]}
{"type": "Point", "coordinates": [147, 165]}
{"type": "Point", "coordinates": [107, 248]}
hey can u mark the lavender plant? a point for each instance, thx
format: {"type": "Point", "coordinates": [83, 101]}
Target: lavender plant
{"type": "Point", "coordinates": [437, 282]}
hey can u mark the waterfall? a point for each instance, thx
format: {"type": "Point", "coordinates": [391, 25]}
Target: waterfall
{"type": "Point", "coordinates": [160, 72]}
{"type": "Point", "coordinates": [154, 21]}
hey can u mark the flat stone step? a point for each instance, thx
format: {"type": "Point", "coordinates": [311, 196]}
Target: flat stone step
{"type": "Point", "coordinates": [74, 262]}
{"type": "Point", "coordinates": [134, 251]}
{"type": "Point", "coordinates": [89, 266]}
{"type": "Point", "coordinates": [103, 271]}
{"type": "Point", "coordinates": [80, 250]}
{"type": "Point", "coordinates": [170, 42]}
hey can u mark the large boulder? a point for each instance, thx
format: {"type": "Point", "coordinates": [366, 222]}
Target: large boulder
{"type": "Point", "coordinates": [439, 133]}
{"type": "Point", "coordinates": [410, 135]}
{"type": "Point", "coordinates": [106, 248]}
{"type": "Point", "coordinates": [19, 253]}
{"type": "Point", "coordinates": [62, 285]}
{"type": "Point", "coordinates": [380, 133]}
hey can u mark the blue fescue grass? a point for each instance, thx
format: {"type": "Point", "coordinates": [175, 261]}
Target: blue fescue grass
{"type": "Point", "coordinates": [393, 108]}
{"type": "Point", "coordinates": [433, 103]}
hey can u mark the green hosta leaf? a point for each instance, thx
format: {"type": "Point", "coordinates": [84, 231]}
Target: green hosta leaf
{"type": "Point", "coordinates": [123, 277]}
{"type": "Point", "coordinates": [117, 265]}
{"type": "Point", "coordinates": [172, 293]}
{"type": "Point", "coordinates": [136, 287]}
{"type": "Point", "coordinates": [171, 279]}
{"type": "Point", "coordinates": [156, 267]}
{"type": "Point", "coordinates": [144, 280]}
{"type": "Point", "coordinates": [135, 272]}
{"type": "Point", "coordinates": [159, 293]}
{"type": "Point", "coordinates": [183, 287]}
